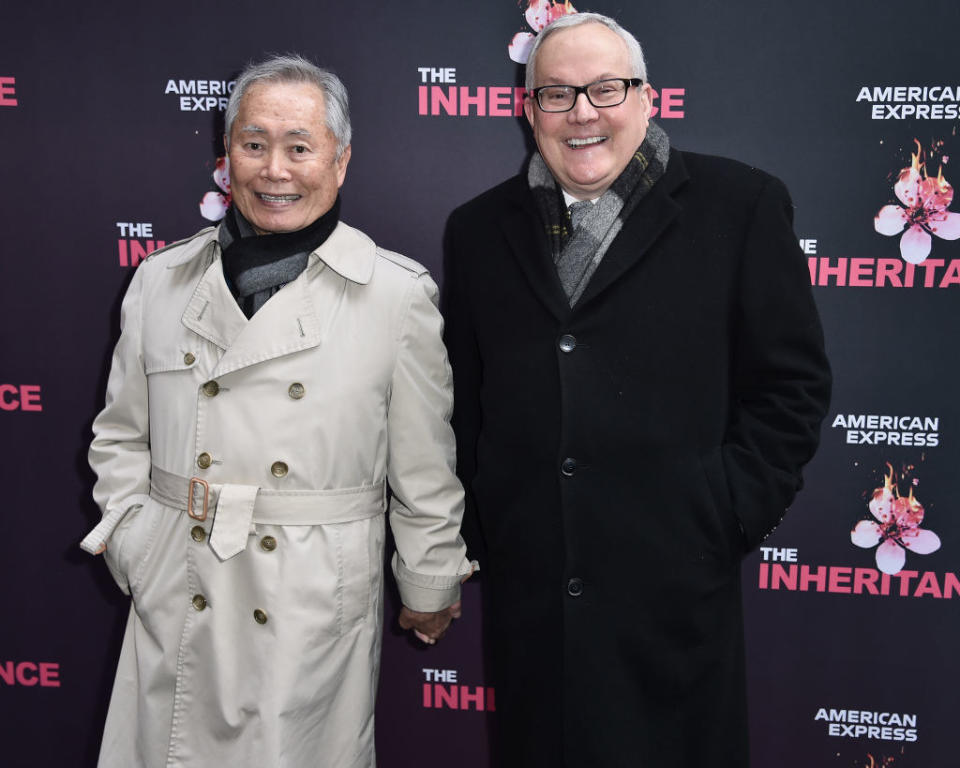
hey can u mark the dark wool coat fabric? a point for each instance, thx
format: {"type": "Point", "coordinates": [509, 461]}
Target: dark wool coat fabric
{"type": "Point", "coordinates": [622, 456]}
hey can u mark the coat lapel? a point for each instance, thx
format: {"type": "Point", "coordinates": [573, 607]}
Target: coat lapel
{"type": "Point", "coordinates": [524, 233]}
{"type": "Point", "coordinates": [212, 312]}
{"type": "Point", "coordinates": [289, 321]}
{"type": "Point", "coordinates": [640, 231]}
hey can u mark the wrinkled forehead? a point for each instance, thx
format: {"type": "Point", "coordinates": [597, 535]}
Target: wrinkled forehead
{"type": "Point", "coordinates": [282, 98]}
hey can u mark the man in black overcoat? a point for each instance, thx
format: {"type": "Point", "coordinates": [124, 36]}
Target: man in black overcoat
{"type": "Point", "coordinates": [639, 379]}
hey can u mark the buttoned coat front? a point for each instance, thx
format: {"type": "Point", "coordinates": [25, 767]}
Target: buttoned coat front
{"type": "Point", "coordinates": [621, 455]}
{"type": "Point", "coordinates": [296, 419]}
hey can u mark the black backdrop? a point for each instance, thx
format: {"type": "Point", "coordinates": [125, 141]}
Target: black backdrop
{"type": "Point", "coordinates": [95, 136]}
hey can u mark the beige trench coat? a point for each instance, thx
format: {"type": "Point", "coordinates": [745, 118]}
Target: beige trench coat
{"type": "Point", "coordinates": [254, 634]}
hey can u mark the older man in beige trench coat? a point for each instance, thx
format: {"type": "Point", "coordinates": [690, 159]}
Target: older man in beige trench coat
{"type": "Point", "coordinates": [244, 453]}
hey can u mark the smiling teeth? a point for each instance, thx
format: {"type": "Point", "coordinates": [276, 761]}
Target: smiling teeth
{"type": "Point", "coordinates": [278, 198]}
{"type": "Point", "coordinates": [585, 142]}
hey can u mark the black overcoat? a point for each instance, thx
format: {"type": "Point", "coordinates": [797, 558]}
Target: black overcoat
{"type": "Point", "coordinates": [620, 457]}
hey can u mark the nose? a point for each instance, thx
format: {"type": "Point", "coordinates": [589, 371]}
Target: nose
{"type": "Point", "coordinates": [275, 167]}
{"type": "Point", "coordinates": [583, 111]}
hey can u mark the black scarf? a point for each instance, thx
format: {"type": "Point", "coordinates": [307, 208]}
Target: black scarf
{"type": "Point", "coordinates": [257, 266]}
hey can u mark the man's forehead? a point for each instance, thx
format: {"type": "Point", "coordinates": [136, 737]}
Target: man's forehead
{"type": "Point", "coordinates": [295, 95]}
{"type": "Point", "coordinates": [290, 109]}
{"type": "Point", "coordinates": [576, 41]}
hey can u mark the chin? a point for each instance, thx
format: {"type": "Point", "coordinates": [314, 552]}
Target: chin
{"type": "Point", "coordinates": [279, 227]}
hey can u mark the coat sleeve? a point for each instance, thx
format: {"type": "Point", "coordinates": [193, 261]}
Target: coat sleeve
{"type": "Point", "coordinates": [427, 503]}
{"type": "Point", "coordinates": [120, 451]}
{"type": "Point", "coordinates": [461, 341]}
{"type": "Point", "coordinates": [781, 374]}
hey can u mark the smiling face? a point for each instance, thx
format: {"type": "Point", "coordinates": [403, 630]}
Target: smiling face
{"type": "Point", "coordinates": [284, 170]}
{"type": "Point", "coordinates": [587, 148]}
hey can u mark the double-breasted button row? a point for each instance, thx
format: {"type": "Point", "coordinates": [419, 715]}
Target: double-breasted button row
{"type": "Point", "coordinates": [212, 389]}
{"type": "Point", "coordinates": [199, 603]}
{"type": "Point", "coordinates": [199, 534]}
{"type": "Point", "coordinates": [277, 469]}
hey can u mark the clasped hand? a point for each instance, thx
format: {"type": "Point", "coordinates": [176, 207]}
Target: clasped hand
{"type": "Point", "coordinates": [429, 627]}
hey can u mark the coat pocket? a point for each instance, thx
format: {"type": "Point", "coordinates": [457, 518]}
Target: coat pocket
{"type": "Point", "coordinates": [109, 535]}
{"type": "Point", "coordinates": [354, 544]}
{"type": "Point", "coordinates": [716, 479]}
{"type": "Point", "coordinates": [137, 534]}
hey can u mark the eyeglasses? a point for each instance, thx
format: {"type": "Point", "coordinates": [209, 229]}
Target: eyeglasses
{"type": "Point", "coordinates": [601, 94]}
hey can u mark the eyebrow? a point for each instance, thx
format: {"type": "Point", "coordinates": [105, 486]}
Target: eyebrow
{"type": "Point", "coordinates": [258, 129]}
{"type": "Point", "coordinates": [606, 76]}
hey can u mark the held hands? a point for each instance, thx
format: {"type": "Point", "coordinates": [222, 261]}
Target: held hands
{"type": "Point", "coordinates": [429, 627]}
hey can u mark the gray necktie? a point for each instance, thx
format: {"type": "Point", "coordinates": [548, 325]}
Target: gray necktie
{"type": "Point", "coordinates": [579, 211]}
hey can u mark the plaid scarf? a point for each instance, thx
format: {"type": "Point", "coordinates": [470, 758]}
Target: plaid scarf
{"type": "Point", "coordinates": [257, 266]}
{"type": "Point", "coordinates": [577, 251]}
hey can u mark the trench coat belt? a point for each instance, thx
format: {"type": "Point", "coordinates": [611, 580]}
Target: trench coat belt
{"type": "Point", "coordinates": [236, 508]}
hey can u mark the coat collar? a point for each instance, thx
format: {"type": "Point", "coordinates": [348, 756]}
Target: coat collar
{"type": "Point", "coordinates": [528, 243]}
{"type": "Point", "coordinates": [639, 233]}
{"type": "Point", "coordinates": [347, 251]}
{"type": "Point", "coordinates": [279, 327]}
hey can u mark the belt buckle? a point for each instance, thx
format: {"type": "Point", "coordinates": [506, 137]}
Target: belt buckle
{"type": "Point", "coordinates": [206, 496]}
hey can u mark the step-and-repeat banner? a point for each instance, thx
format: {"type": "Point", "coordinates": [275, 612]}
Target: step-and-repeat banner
{"type": "Point", "coordinates": [110, 120]}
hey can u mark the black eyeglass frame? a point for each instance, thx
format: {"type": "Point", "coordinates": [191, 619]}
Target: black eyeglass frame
{"type": "Point", "coordinates": [628, 82]}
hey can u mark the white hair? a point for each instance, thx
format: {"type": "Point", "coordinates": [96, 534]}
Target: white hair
{"type": "Point", "coordinates": [637, 62]}
{"type": "Point", "coordinates": [292, 68]}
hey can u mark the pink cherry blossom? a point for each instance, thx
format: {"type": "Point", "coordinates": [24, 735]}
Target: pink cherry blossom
{"type": "Point", "coordinates": [539, 13]}
{"type": "Point", "coordinates": [924, 213]}
{"type": "Point", "coordinates": [213, 206]}
{"type": "Point", "coordinates": [898, 529]}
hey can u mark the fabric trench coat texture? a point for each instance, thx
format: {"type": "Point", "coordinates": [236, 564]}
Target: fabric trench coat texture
{"type": "Point", "coordinates": [621, 456]}
{"type": "Point", "coordinates": [254, 635]}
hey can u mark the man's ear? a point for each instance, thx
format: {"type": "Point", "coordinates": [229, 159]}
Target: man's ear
{"type": "Point", "coordinates": [529, 108]}
{"type": "Point", "coordinates": [646, 97]}
{"type": "Point", "coordinates": [342, 162]}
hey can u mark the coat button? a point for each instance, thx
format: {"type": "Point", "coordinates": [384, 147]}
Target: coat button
{"type": "Point", "coordinates": [575, 587]}
{"type": "Point", "coordinates": [268, 543]}
{"type": "Point", "coordinates": [189, 359]}
{"type": "Point", "coordinates": [198, 533]}
{"type": "Point", "coordinates": [211, 389]}
{"type": "Point", "coordinates": [259, 616]}
{"type": "Point", "coordinates": [568, 467]}
{"type": "Point", "coordinates": [279, 469]}
{"type": "Point", "coordinates": [567, 343]}
{"type": "Point", "coordinates": [199, 602]}
{"type": "Point", "coordinates": [204, 460]}
{"type": "Point", "coordinates": [296, 390]}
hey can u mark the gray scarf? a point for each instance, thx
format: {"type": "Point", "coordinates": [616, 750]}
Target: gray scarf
{"type": "Point", "coordinates": [578, 250]}
{"type": "Point", "coordinates": [257, 266]}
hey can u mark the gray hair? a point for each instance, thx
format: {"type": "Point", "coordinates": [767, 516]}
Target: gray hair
{"type": "Point", "coordinates": [637, 63]}
{"type": "Point", "coordinates": [292, 68]}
